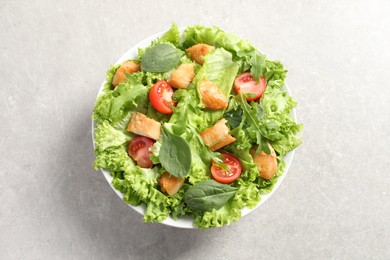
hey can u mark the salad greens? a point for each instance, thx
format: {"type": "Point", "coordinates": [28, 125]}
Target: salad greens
{"type": "Point", "coordinates": [208, 195]}
{"type": "Point", "coordinates": [161, 58]}
{"type": "Point", "coordinates": [175, 154]}
{"type": "Point", "coordinates": [180, 150]}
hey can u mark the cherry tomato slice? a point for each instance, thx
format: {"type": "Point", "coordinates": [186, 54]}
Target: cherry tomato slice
{"type": "Point", "coordinates": [139, 151]}
{"type": "Point", "coordinates": [160, 97]}
{"type": "Point", "coordinates": [223, 176]}
{"type": "Point", "coordinates": [245, 84]}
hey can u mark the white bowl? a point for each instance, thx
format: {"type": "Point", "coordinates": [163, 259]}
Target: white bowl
{"type": "Point", "coordinates": [185, 221]}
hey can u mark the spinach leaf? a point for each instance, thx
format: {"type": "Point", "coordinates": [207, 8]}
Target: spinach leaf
{"type": "Point", "coordinates": [208, 195]}
{"type": "Point", "coordinates": [161, 58]}
{"type": "Point", "coordinates": [175, 154]}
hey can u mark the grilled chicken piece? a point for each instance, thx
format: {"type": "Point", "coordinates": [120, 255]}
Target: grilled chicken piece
{"type": "Point", "coordinates": [126, 67]}
{"type": "Point", "coordinates": [212, 96]}
{"type": "Point", "coordinates": [198, 51]}
{"type": "Point", "coordinates": [182, 76]}
{"type": "Point", "coordinates": [266, 163]}
{"type": "Point", "coordinates": [143, 125]}
{"type": "Point", "coordinates": [170, 184]}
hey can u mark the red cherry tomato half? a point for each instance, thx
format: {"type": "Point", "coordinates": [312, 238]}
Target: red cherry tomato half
{"type": "Point", "coordinates": [223, 176]}
{"type": "Point", "coordinates": [245, 84]}
{"type": "Point", "coordinates": [139, 151]}
{"type": "Point", "coordinates": [160, 97]}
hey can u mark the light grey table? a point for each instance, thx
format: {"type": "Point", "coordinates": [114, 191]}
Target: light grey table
{"type": "Point", "coordinates": [334, 201]}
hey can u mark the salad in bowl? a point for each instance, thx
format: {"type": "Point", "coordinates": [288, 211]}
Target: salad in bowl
{"type": "Point", "coordinates": [192, 127]}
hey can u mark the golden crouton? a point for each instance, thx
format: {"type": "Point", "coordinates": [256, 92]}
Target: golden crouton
{"type": "Point", "coordinates": [182, 76]}
{"type": "Point", "coordinates": [170, 184]}
{"type": "Point", "coordinates": [228, 140]}
{"type": "Point", "coordinates": [213, 135]}
{"type": "Point", "coordinates": [142, 125]}
{"type": "Point", "coordinates": [212, 96]}
{"type": "Point", "coordinates": [198, 51]}
{"type": "Point", "coordinates": [126, 67]}
{"type": "Point", "coordinates": [266, 163]}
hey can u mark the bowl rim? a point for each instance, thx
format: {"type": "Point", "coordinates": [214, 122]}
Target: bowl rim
{"type": "Point", "coordinates": [185, 221]}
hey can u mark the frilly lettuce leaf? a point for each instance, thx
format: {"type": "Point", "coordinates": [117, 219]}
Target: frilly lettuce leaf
{"type": "Point", "coordinates": [106, 136]}
{"type": "Point", "coordinates": [113, 105]}
{"type": "Point", "coordinates": [247, 195]}
{"type": "Point", "coordinates": [112, 158]}
{"type": "Point", "coordinates": [171, 36]}
{"type": "Point", "coordinates": [177, 205]}
{"type": "Point", "coordinates": [109, 76]}
{"type": "Point", "coordinates": [244, 53]}
{"type": "Point", "coordinates": [127, 95]}
{"type": "Point", "coordinates": [275, 74]}
{"type": "Point", "coordinates": [218, 38]}
{"type": "Point", "coordinates": [217, 218]}
{"type": "Point", "coordinates": [278, 126]}
{"type": "Point", "coordinates": [102, 107]}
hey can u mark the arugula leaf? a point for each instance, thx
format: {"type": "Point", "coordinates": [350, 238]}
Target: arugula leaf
{"type": "Point", "coordinates": [175, 154]}
{"type": "Point", "coordinates": [254, 129]}
{"type": "Point", "coordinates": [161, 58]}
{"type": "Point", "coordinates": [257, 62]}
{"type": "Point", "coordinates": [234, 117]}
{"type": "Point", "coordinates": [208, 195]}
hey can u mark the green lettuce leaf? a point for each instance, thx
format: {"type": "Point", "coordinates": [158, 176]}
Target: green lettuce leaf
{"type": "Point", "coordinates": [277, 125]}
{"type": "Point", "coordinates": [172, 36]}
{"type": "Point", "coordinates": [221, 70]}
{"type": "Point", "coordinates": [102, 107]}
{"type": "Point", "coordinates": [218, 38]}
{"type": "Point", "coordinates": [109, 76]}
{"type": "Point", "coordinates": [244, 53]}
{"type": "Point", "coordinates": [106, 136]}
{"type": "Point", "coordinates": [275, 74]}
{"type": "Point", "coordinates": [217, 218]}
{"type": "Point", "coordinates": [177, 204]}
{"type": "Point", "coordinates": [127, 95]}
{"type": "Point", "coordinates": [247, 196]}
{"type": "Point", "coordinates": [112, 158]}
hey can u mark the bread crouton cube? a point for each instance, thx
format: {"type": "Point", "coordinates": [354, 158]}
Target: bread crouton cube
{"type": "Point", "coordinates": [228, 140]}
{"type": "Point", "coordinates": [198, 51]}
{"type": "Point", "coordinates": [142, 125]}
{"type": "Point", "coordinates": [126, 67]}
{"type": "Point", "coordinates": [182, 76]}
{"type": "Point", "coordinates": [212, 96]}
{"type": "Point", "coordinates": [216, 133]}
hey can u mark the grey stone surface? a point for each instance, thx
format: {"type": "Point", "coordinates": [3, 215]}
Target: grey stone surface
{"type": "Point", "coordinates": [335, 200]}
